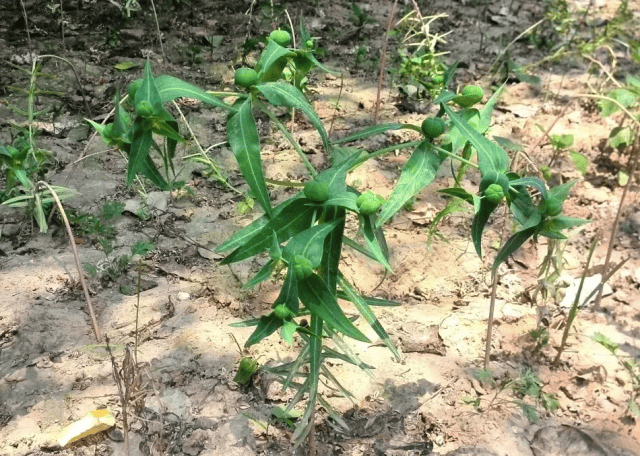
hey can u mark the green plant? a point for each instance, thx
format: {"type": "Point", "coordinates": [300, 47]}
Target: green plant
{"type": "Point", "coordinates": [421, 71]}
{"type": "Point", "coordinates": [631, 366]}
{"type": "Point", "coordinates": [22, 161]}
{"type": "Point", "coordinates": [527, 392]}
{"type": "Point", "coordinates": [305, 233]}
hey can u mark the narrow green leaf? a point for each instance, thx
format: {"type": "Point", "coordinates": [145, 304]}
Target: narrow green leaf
{"type": "Point", "coordinates": [336, 176]}
{"type": "Point", "coordinates": [491, 157]}
{"type": "Point", "coordinates": [417, 173]}
{"type": "Point", "coordinates": [346, 200]}
{"type": "Point", "coordinates": [243, 138]}
{"type": "Point", "coordinates": [294, 218]}
{"type": "Point", "coordinates": [530, 228]}
{"type": "Point", "coordinates": [363, 307]}
{"type": "Point", "coordinates": [372, 242]}
{"type": "Point", "coordinates": [562, 222]}
{"type": "Point", "coordinates": [316, 297]}
{"type": "Point", "coordinates": [321, 65]}
{"type": "Point", "coordinates": [272, 61]}
{"type": "Point", "coordinates": [561, 191]}
{"type": "Point", "coordinates": [357, 247]}
{"type": "Point", "coordinates": [313, 379]}
{"type": "Point", "coordinates": [170, 88]}
{"type": "Point", "coordinates": [142, 139]}
{"type": "Point", "coordinates": [458, 192]}
{"type": "Point", "coordinates": [487, 110]}
{"type": "Point", "coordinates": [375, 130]}
{"type": "Point", "coordinates": [309, 243]}
{"type": "Point", "coordinates": [378, 302]}
{"type": "Point", "coordinates": [150, 171]}
{"type": "Point", "coordinates": [479, 222]}
{"type": "Point", "coordinates": [263, 274]}
{"type": "Point", "coordinates": [246, 233]}
{"type": "Point", "coordinates": [332, 248]}
{"type": "Point", "coordinates": [531, 182]}
{"type": "Point", "coordinates": [268, 325]}
{"type": "Point", "coordinates": [283, 94]}
{"type": "Point", "coordinates": [148, 91]}
{"type": "Point", "coordinates": [289, 293]}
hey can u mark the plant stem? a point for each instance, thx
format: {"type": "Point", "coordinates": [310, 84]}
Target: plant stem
{"type": "Point", "coordinates": [383, 151]}
{"type": "Point", "coordinates": [574, 307]}
{"type": "Point", "coordinates": [383, 59]}
{"type": "Point", "coordinates": [492, 305]}
{"type": "Point", "coordinates": [72, 241]}
{"type": "Point", "coordinates": [290, 138]}
{"type": "Point", "coordinates": [614, 229]}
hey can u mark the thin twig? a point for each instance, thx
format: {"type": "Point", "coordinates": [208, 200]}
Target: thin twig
{"type": "Point", "coordinates": [72, 241]}
{"type": "Point", "coordinates": [155, 15]}
{"type": "Point", "coordinates": [383, 59]}
{"type": "Point", "coordinates": [616, 221]}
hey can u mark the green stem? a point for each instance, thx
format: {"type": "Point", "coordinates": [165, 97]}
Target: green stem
{"type": "Point", "coordinates": [383, 151]}
{"type": "Point", "coordinates": [226, 94]}
{"type": "Point", "coordinates": [289, 137]}
{"type": "Point", "coordinates": [284, 183]}
{"type": "Point", "coordinates": [455, 157]}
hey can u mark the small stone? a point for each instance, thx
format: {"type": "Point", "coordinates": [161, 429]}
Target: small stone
{"type": "Point", "coordinates": [183, 296]}
{"type": "Point", "coordinates": [18, 376]}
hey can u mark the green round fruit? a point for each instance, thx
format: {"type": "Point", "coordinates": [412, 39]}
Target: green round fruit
{"type": "Point", "coordinates": [246, 77]}
{"type": "Point", "coordinates": [472, 91]}
{"type": "Point", "coordinates": [470, 95]}
{"type": "Point", "coordinates": [554, 206]}
{"type": "Point", "coordinates": [282, 37]}
{"type": "Point", "coordinates": [432, 127]}
{"type": "Point", "coordinates": [133, 89]}
{"type": "Point", "coordinates": [144, 109]}
{"type": "Point", "coordinates": [308, 44]}
{"type": "Point", "coordinates": [494, 177]}
{"type": "Point", "coordinates": [282, 311]}
{"type": "Point", "coordinates": [368, 203]}
{"type": "Point", "coordinates": [317, 192]}
{"type": "Point", "coordinates": [494, 193]}
{"type": "Point", "coordinates": [302, 267]}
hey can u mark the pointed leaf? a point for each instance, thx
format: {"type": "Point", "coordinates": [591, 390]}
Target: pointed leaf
{"type": "Point", "coordinates": [148, 91]}
{"type": "Point", "coordinates": [142, 139]}
{"type": "Point", "coordinates": [246, 233]}
{"type": "Point", "coordinates": [170, 88]}
{"type": "Point", "coordinates": [294, 218]}
{"type": "Point", "coordinates": [479, 221]}
{"type": "Point", "coordinates": [487, 110]}
{"type": "Point", "coordinates": [336, 176]}
{"type": "Point", "coordinates": [512, 244]}
{"type": "Point", "coordinates": [375, 130]}
{"type": "Point", "coordinates": [283, 94]}
{"type": "Point", "coordinates": [263, 274]}
{"type": "Point", "coordinates": [289, 293]}
{"type": "Point", "coordinates": [372, 242]}
{"type": "Point", "coordinates": [288, 330]}
{"type": "Point", "coordinates": [346, 200]}
{"type": "Point", "coordinates": [268, 325]}
{"type": "Point", "coordinates": [491, 157]}
{"type": "Point", "coordinates": [272, 61]}
{"type": "Point", "coordinates": [364, 309]}
{"type": "Point", "coordinates": [309, 243]}
{"type": "Point", "coordinates": [243, 138]}
{"type": "Point", "coordinates": [316, 297]}
{"type": "Point", "coordinates": [561, 191]}
{"type": "Point", "coordinates": [417, 173]}
{"type": "Point", "coordinates": [458, 192]}
{"type": "Point", "coordinates": [332, 248]}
